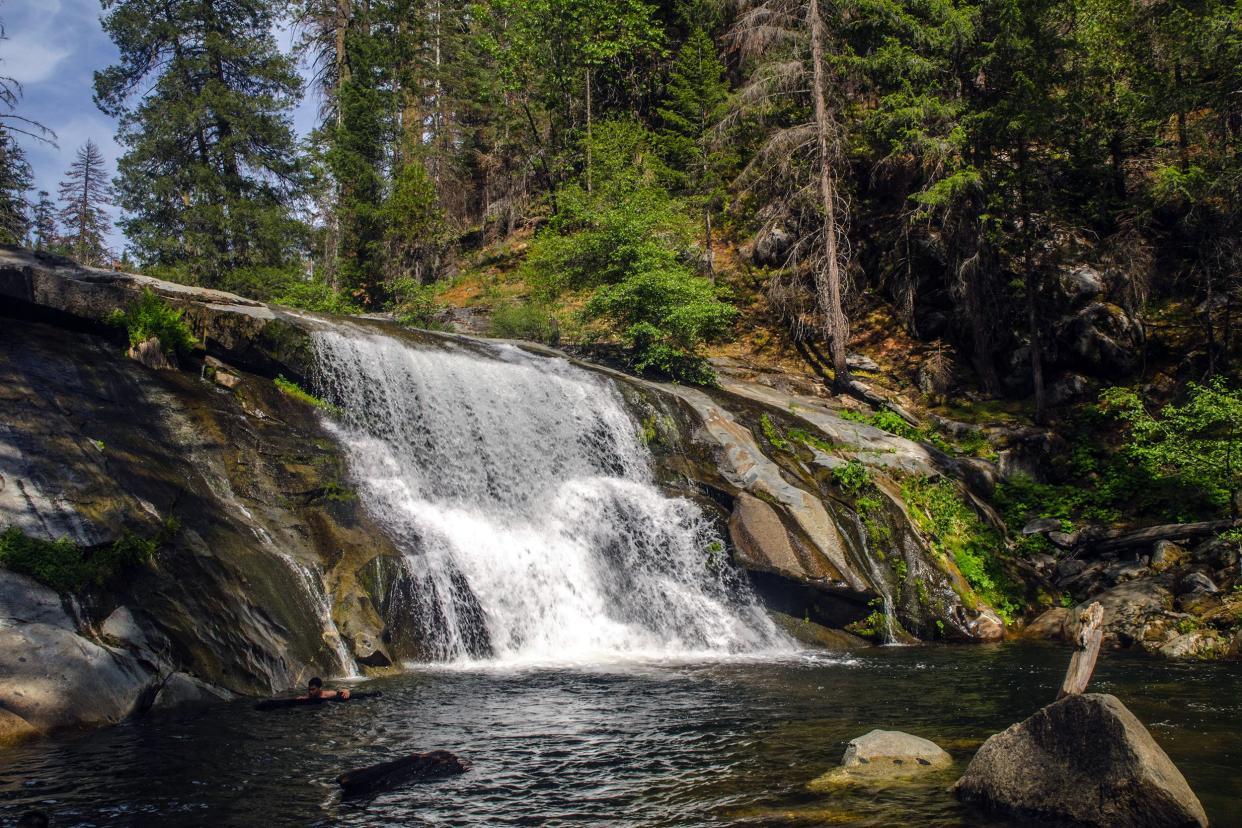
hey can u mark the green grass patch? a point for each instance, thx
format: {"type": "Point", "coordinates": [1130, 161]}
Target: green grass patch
{"type": "Point", "coordinates": [771, 433]}
{"type": "Point", "coordinates": [68, 568]}
{"type": "Point", "coordinates": [291, 389]}
{"type": "Point", "coordinates": [525, 320]}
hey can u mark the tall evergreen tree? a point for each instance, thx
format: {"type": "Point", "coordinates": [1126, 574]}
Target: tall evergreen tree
{"type": "Point", "coordinates": [84, 195]}
{"type": "Point", "coordinates": [794, 50]}
{"type": "Point", "coordinates": [694, 104]}
{"type": "Point", "coordinates": [209, 178]}
{"type": "Point", "coordinates": [43, 229]}
{"type": "Point", "coordinates": [16, 179]}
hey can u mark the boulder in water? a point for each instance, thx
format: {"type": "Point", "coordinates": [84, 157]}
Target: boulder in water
{"type": "Point", "coordinates": [416, 767]}
{"type": "Point", "coordinates": [883, 755]}
{"type": "Point", "coordinates": [1084, 759]}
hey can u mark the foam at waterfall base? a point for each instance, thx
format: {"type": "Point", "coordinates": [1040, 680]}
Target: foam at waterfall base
{"type": "Point", "coordinates": [522, 495]}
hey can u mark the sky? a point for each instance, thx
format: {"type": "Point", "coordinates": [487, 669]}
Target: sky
{"type": "Point", "coordinates": [52, 49]}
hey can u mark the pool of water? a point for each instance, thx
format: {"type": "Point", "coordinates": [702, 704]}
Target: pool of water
{"type": "Point", "coordinates": [625, 744]}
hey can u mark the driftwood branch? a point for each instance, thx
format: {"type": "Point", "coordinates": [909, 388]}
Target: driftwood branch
{"type": "Point", "coordinates": [1082, 663]}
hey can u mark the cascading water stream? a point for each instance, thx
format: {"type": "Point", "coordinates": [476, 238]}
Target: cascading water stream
{"type": "Point", "coordinates": [522, 496]}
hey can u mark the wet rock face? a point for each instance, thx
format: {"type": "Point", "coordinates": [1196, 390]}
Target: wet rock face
{"type": "Point", "coordinates": [92, 444]}
{"type": "Point", "coordinates": [1084, 759]}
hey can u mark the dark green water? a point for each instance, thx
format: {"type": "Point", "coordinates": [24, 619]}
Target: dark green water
{"type": "Point", "coordinates": [651, 745]}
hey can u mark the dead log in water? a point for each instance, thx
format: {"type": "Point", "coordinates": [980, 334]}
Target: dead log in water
{"type": "Point", "coordinates": [1082, 663]}
{"type": "Point", "coordinates": [417, 767]}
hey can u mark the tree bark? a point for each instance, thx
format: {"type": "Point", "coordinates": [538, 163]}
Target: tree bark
{"type": "Point", "coordinates": [828, 277]}
{"type": "Point", "coordinates": [1082, 663]}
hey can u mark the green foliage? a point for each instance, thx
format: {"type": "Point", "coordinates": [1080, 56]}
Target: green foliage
{"type": "Point", "coordinates": [152, 316]}
{"type": "Point", "coordinates": [291, 389]}
{"type": "Point", "coordinates": [209, 179]}
{"type": "Point", "coordinates": [853, 477]}
{"type": "Point", "coordinates": [803, 436]}
{"type": "Point", "coordinates": [627, 242]}
{"type": "Point", "coordinates": [314, 294]}
{"type": "Point", "coordinates": [1197, 445]}
{"type": "Point", "coordinates": [772, 433]}
{"type": "Point", "coordinates": [414, 304]}
{"type": "Point", "coordinates": [957, 533]}
{"type": "Point", "coordinates": [68, 568]}
{"type": "Point", "coordinates": [525, 320]}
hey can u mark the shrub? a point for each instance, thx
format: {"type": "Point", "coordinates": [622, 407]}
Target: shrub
{"type": "Point", "coordinates": [853, 477]}
{"type": "Point", "coordinates": [152, 316]}
{"type": "Point", "coordinates": [524, 320]}
{"type": "Point", "coordinates": [66, 567]}
{"type": "Point", "coordinates": [1196, 446]}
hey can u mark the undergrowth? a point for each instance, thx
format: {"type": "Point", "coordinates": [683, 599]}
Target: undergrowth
{"type": "Point", "coordinates": [152, 316]}
{"type": "Point", "coordinates": [959, 535]}
{"type": "Point", "coordinates": [68, 568]}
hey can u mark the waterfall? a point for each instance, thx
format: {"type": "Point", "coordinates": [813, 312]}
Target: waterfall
{"type": "Point", "coordinates": [521, 494]}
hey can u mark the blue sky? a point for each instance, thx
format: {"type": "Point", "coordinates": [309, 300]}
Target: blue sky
{"type": "Point", "coordinates": [53, 49]}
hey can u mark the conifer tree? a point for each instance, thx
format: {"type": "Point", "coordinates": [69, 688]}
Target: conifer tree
{"type": "Point", "coordinates": [694, 104]}
{"type": "Point", "coordinates": [16, 179]}
{"type": "Point", "coordinates": [84, 195]}
{"type": "Point", "coordinates": [209, 177]}
{"type": "Point", "coordinates": [43, 229]}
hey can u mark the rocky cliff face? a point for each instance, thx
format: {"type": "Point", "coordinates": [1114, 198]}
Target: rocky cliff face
{"type": "Point", "coordinates": [269, 568]}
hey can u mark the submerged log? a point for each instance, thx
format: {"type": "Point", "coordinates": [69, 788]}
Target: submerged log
{"type": "Point", "coordinates": [417, 767]}
{"type": "Point", "coordinates": [302, 701]}
{"type": "Point", "coordinates": [1082, 663]}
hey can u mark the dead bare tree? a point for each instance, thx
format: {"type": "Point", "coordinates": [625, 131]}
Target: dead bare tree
{"type": "Point", "coordinates": [788, 42]}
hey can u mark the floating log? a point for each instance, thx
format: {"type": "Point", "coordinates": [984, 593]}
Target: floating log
{"type": "Point", "coordinates": [417, 767]}
{"type": "Point", "coordinates": [281, 704]}
{"type": "Point", "coordinates": [1082, 663]}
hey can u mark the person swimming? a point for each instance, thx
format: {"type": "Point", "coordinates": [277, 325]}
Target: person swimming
{"type": "Point", "coordinates": [314, 690]}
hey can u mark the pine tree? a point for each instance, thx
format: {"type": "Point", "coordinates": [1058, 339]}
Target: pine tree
{"type": "Point", "coordinates": [84, 195]}
{"type": "Point", "coordinates": [791, 47]}
{"type": "Point", "coordinates": [694, 104]}
{"type": "Point", "coordinates": [16, 179]}
{"type": "Point", "coordinates": [209, 178]}
{"type": "Point", "coordinates": [43, 230]}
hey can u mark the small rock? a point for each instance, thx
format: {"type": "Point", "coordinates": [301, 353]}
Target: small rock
{"type": "Point", "coordinates": [1041, 525]}
{"type": "Point", "coordinates": [1166, 555]}
{"type": "Point", "coordinates": [1123, 571]}
{"type": "Point", "coordinates": [861, 362]}
{"type": "Point", "coordinates": [1070, 568]}
{"type": "Point", "coordinates": [1195, 644]}
{"type": "Point", "coordinates": [1198, 582]}
{"type": "Point", "coordinates": [1084, 759]}
{"type": "Point", "coordinates": [180, 690]}
{"type": "Point", "coordinates": [416, 767]}
{"type": "Point", "coordinates": [884, 754]}
{"type": "Point", "coordinates": [1217, 553]}
{"type": "Point", "coordinates": [1063, 540]}
{"type": "Point", "coordinates": [151, 354]}
{"type": "Point", "coordinates": [1050, 626]}
{"type": "Point", "coordinates": [1043, 562]}
{"type": "Point", "coordinates": [226, 380]}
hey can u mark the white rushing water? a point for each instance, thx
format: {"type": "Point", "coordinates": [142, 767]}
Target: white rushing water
{"type": "Point", "coordinates": [522, 496]}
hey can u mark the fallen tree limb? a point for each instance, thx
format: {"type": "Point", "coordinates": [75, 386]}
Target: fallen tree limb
{"type": "Point", "coordinates": [1082, 662]}
{"type": "Point", "coordinates": [1117, 541]}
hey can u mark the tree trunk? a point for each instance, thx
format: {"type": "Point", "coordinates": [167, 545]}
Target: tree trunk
{"type": "Point", "coordinates": [588, 119]}
{"type": "Point", "coordinates": [1037, 357]}
{"type": "Point", "coordinates": [828, 277]}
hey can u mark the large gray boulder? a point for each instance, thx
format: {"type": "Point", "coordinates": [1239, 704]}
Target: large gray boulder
{"type": "Point", "coordinates": [1084, 759]}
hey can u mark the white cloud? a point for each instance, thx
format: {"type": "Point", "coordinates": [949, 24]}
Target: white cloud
{"type": "Point", "coordinates": [29, 61]}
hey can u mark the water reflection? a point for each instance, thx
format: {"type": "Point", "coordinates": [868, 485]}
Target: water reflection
{"type": "Point", "coordinates": [652, 745]}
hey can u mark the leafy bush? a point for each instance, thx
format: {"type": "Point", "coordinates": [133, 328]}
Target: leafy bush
{"type": "Point", "coordinates": [1196, 445]}
{"type": "Point", "coordinates": [853, 477]}
{"type": "Point", "coordinates": [314, 294]}
{"type": "Point", "coordinates": [414, 304]}
{"type": "Point", "coordinates": [66, 567]}
{"type": "Point", "coordinates": [524, 320]}
{"type": "Point", "coordinates": [152, 316]}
